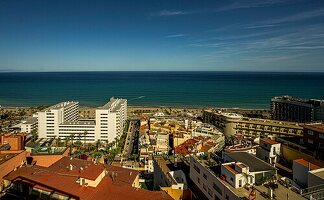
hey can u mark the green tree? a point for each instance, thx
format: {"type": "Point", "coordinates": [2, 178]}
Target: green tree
{"type": "Point", "coordinates": [34, 133]}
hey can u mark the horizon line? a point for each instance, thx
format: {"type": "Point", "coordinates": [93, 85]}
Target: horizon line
{"type": "Point", "coordinates": [83, 71]}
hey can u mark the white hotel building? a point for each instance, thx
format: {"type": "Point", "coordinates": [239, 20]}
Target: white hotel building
{"type": "Point", "coordinates": [62, 120]}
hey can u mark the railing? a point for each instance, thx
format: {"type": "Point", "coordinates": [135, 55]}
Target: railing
{"type": "Point", "coordinates": [317, 196]}
{"type": "Point", "coordinates": [313, 189]}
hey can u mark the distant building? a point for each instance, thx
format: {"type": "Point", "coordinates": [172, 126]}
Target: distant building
{"type": "Point", "coordinates": [232, 123]}
{"type": "Point", "coordinates": [287, 108]}
{"type": "Point", "coordinates": [28, 125]}
{"type": "Point", "coordinates": [62, 120]}
{"type": "Point", "coordinates": [269, 150]}
{"type": "Point", "coordinates": [162, 143]}
{"type": "Point", "coordinates": [314, 137]}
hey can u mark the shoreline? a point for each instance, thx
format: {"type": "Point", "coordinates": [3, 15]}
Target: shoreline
{"type": "Point", "coordinates": [145, 107]}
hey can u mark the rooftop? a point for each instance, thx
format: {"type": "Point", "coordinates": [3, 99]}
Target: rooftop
{"type": "Point", "coordinates": [115, 185]}
{"type": "Point", "coordinates": [269, 141]}
{"type": "Point", "coordinates": [306, 163]}
{"type": "Point", "coordinates": [318, 127]}
{"type": "Point", "coordinates": [255, 164]}
{"type": "Point", "coordinates": [61, 105]}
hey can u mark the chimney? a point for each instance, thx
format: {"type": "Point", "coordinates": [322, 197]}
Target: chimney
{"type": "Point", "coordinates": [71, 167]}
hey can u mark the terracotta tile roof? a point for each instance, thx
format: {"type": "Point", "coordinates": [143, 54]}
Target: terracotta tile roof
{"type": "Point", "coordinates": [53, 179]}
{"type": "Point", "coordinates": [305, 164]}
{"type": "Point", "coordinates": [231, 169]}
{"type": "Point", "coordinates": [241, 165]}
{"type": "Point", "coordinates": [269, 141]}
{"type": "Point", "coordinates": [315, 127]}
{"type": "Point", "coordinates": [186, 147]}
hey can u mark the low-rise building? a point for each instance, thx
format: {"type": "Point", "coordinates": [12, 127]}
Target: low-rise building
{"type": "Point", "coordinates": [259, 169]}
{"type": "Point", "coordinates": [170, 178]}
{"type": "Point", "coordinates": [71, 178]}
{"type": "Point", "coordinates": [162, 143]}
{"type": "Point", "coordinates": [10, 161]}
{"type": "Point", "coordinates": [301, 168]}
{"type": "Point", "coordinates": [28, 125]}
{"type": "Point", "coordinates": [269, 150]}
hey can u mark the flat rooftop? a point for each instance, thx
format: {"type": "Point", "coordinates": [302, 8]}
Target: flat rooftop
{"type": "Point", "coordinates": [61, 105]}
{"type": "Point", "coordinates": [318, 127]}
{"type": "Point", "coordinates": [111, 102]}
{"type": "Point", "coordinates": [255, 164]}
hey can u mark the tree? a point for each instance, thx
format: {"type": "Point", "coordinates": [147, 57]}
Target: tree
{"type": "Point", "coordinates": [34, 133]}
{"type": "Point", "coordinates": [85, 133]}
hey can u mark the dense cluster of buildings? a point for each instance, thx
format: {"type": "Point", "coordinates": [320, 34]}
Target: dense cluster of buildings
{"type": "Point", "coordinates": [221, 155]}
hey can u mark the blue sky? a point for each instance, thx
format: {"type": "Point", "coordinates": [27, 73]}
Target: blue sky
{"type": "Point", "coordinates": [242, 35]}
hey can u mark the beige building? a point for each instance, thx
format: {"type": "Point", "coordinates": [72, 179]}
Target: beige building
{"type": "Point", "coordinates": [232, 123]}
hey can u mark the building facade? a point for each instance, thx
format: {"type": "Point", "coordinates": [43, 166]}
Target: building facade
{"type": "Point", "coordinates": [62, 120]}
{"type": "Point", "coordinates": [287, 108]}
{"type": "Point", "coordinates": [269, 150]}
{"type": "Point", "coordinates": [232, 123]}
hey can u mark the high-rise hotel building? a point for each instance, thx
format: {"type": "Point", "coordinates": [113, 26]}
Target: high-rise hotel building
{"type": "Point", "coordinates": [287, 108]}
{"type": "Point", "coordinates": [62, 120]}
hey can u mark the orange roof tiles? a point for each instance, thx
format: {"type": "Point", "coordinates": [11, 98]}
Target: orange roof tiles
{"type": "Point", "coordinates": [62, 180]}
{"type": "Point", "coordinates": [229, 168]}
{"type": "Point", "coordinates": [315, 127]}
{"type": "Point", "coordinates": [305, 163]}
{"type": "Point", "coordinates": [269, 141]}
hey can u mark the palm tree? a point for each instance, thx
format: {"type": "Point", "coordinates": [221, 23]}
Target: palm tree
{"type": "Point", "coordinates": [84, 137]}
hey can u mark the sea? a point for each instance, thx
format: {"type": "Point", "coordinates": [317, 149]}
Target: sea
{"type": "Point", "coordinates": [178, 89]}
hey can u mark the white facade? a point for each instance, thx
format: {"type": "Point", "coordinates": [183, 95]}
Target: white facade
{"type": "Point", "coordinates": [162, 142]}
{"type": "Point", "coordinates": [62, 120]}
{"type": "Point", "coordinates": [210, 183]}
{"type": "Point", "coordinates": [237, 174]}
{"type": "Point", "coordinates": [269, 151]}
{"type": "Point", "coordinates": [28, 125]}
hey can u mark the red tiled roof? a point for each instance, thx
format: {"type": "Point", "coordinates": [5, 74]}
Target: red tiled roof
{"type": "Point", "coordinates": [315, 127]}
{"type": "Point", "coordinates": [229, 168]}
{"type": "Point", "coordinates": [269, 141]}
{"type": "Point", "coordinates": [53, 178]}
{"type": "Point", "coordinates": [185, 148]}
{"type": "Point", "coordinates": [305, 163]}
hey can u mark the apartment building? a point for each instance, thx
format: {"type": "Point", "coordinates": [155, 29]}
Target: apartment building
{"type": "Point", "coordinates": [314, 136]}
{"type": "Point", "coordinates": [62, 120]}
{"type": "Point", "coordinates": [287, 108]}
{"type": "Point", "coordinates": [232, 123]}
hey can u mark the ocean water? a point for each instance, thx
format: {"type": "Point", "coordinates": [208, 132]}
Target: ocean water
{"type": "Point", "coordinates": [194, 89]}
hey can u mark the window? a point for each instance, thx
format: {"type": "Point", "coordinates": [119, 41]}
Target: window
{"type": "Point", "coordinates": [196, 168]}
{"type": "Point", "coordinates": [310, 132]}
{"type": "Point", "coordinates": [217, 189]}
{"type": "Point", "coordinates": [205, 176]}
{"type": "Point", "coordinates": [198, 179]}
{"type": "Point", "coordinates": [321, 135]}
